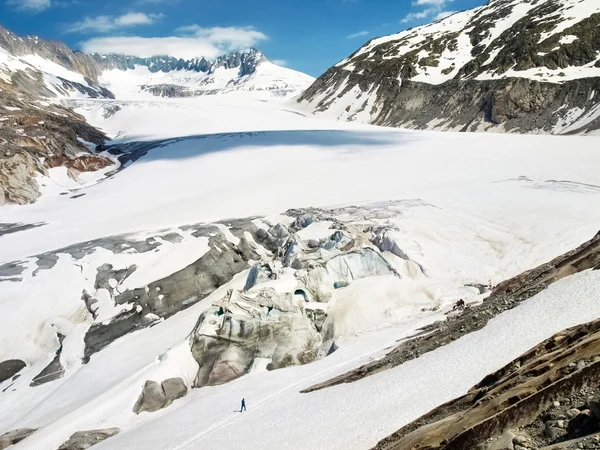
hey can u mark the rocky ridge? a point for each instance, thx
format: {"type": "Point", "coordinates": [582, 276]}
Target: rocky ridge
{"type": "Point", "coordinates": [546, 399]}
{"type": "Point", "coordinates": [245, 61]}
{"type": "Point", "coordinates": [519, 66]}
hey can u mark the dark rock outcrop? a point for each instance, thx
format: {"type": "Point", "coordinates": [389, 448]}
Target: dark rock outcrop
{"type": "Point", "coordinates": [34, 139]}
{"type": "Point", "coordinates": [157, 396]}
{"type": "Point", "coordinates": [245, 61]}
{"type": "Point", "coordinates": [518, 104]}
{"type": "Point", "coordinates": [86, 439]}
{"type": "Point", "coordinates": [151, 399]}
{"type": "Point", "coordinates": [547, 396]}
{"type": "Point", "coordinates": [14, 437]}
{"type": "Point", "coordinates": [10, 368]}
{"type": "Point", "coordinates": [52, 371]}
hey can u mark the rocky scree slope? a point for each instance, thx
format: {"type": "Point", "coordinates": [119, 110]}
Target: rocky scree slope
{"type": "Point", "coordinates": [37, 133]}
{"type": "Point", "coordinates": [510, 65]}
{"type": "Point", "coordinates": [35, 138]}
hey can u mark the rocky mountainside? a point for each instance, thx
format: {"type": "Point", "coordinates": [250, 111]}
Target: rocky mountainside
{"type": "Point", "coordinates": [35, 139]}
{"type": "Point", "coordinates": [54, 51]}
{"type": "Point", "coordinates": [41, 139]}
{"type": "Point", "coordinates": [510, 65]}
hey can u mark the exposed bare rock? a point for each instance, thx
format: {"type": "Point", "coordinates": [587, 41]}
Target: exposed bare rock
{"type": "Point", "coordinates": [242, 327]}
{"type": "Point", "coordinates": [156, 396]}
{"type": "Point", "coordinates": [10, 368]}
{"type": "Point", "coordinates": [463, 74]}
{"type": "Point", "coordinates": [83, 163]}
{"type": "Point", "coordinates": [543, 395]}
{"type": "Point", "coordinates": [86, 439]}
{"type": "Point", "coordinates": [14, 437]}
{"type": "Point", "coordinates": [34, 138]}
{"type": "Point", "coordinates": [174, 389]}
{"type": "Point", "coordinates": [152, 398]}
{"type": "Point", "coordinates": [52, 50]}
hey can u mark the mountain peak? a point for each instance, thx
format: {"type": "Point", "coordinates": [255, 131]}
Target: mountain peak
{"type": "Point", "coordinates": [245, 60]}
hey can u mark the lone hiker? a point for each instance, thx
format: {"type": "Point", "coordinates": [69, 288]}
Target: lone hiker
{"type": "Point", "coordinates": [460, 305]}
{"type": "Point", "coordinates": [243, 408]}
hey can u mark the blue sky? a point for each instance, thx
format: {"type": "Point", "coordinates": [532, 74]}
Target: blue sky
{"type": "Point", "coordinates": [306, 35]}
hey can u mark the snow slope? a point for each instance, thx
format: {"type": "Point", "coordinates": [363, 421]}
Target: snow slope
{"type": "Point", "coordinates": [472, 207]}
{"type": "Point", "coordinates": [49, 71]}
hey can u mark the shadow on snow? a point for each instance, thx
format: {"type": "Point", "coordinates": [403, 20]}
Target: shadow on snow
{"type": "Point", "coordinates": [346, 141]}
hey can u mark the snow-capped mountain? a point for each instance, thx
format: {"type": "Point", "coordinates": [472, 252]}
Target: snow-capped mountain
{"type": "Point", "coordinates": [37, 77]}
{"type": "Point", "coordinates": [75, 74]}
{"type": "Point", "coordinates": [510, 65]}
{"type": "Point", "coordinates": [171, 77]}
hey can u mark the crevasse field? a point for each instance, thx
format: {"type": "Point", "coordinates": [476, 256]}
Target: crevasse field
{"type": "Point", "coordinates": [476, 207]}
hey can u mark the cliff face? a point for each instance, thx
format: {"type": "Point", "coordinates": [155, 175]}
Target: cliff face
{"type": "Point", "coordinates": [509, 65]}
{"type": "Point", "coordinates": [36, 138]}
{"type": "Point", "coordinates": [37, 133]}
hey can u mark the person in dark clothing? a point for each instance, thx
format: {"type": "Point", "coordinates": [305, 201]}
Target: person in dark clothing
{"type": "Point", "coordinates": [243, 408]}
{"type": "Point", "coordinates": [459, 305]}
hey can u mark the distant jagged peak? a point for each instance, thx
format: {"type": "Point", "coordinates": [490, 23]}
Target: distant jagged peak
{"type": "Point", "coordinates": [245, 60]}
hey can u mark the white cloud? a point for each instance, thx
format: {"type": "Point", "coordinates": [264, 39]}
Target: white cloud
{"type": "Point", "coordinates": [359, 34]}
{"type": "Point", "coordinates": [444, 14]}
{"type": "Point", "coordinates": [194, 41]}
{"type": "Point", "coordinates": [436, 3]}
{"type": "Point", "coordinates": [433, 10]}
{"type": "Point", "coordinates": [280, 62]}
{"type": "Point", "coordinates": [104, 24]}
{"type": "Point", "coordinates": [30, 5]}
{"type": "Point", "coordinates": [234, 37]}
{"type": "Point", "coordinates": [412, 17]}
